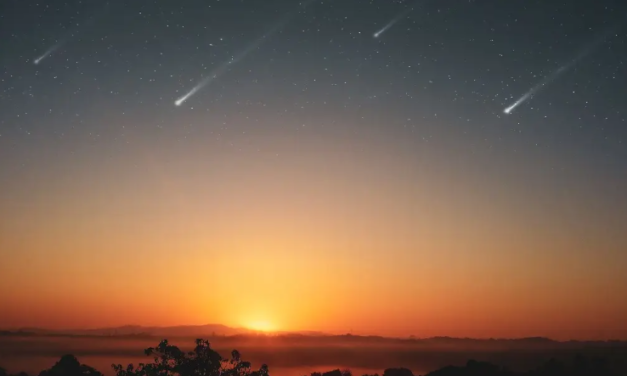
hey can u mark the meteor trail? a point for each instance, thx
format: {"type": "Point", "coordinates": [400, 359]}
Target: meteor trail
{"type": "Point", "coordinates": [48, 52]}
{"type": "Point", "coordinates": [224, 67]}
{"type": "Point", "coordinates": [394, 21]}
{"type": "Point", "coordinates": [70, 34]}
{"type": "Point", "coordinates": [553, 76]}
{"type": "Point", "coordinates": [220, 70]}
{"type": "Point", "coordinates": [547, 80]}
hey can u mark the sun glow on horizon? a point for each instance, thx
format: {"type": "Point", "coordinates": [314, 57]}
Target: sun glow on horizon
{"type": "Point", "coordinates": [262, 326]}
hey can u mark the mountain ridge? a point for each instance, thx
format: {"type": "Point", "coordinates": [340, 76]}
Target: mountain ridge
{"type": "Point", "coordinates": [220, 330]}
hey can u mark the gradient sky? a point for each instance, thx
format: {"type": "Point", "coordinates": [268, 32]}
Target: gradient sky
{"type": "Point", "coordinates": [325, 179]}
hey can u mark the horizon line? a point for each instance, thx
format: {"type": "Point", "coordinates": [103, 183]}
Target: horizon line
{"type": "Point", "coordinates": [292, 332]}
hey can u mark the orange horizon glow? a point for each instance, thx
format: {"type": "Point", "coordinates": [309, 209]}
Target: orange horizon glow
{"type": "Point", "coordinates": [261, 326]}
{"type": "Point", "coordinates": [374, 243]}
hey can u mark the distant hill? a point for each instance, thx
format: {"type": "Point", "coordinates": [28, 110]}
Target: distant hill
{"type": "Point", "coordinates": [126, 330]}
{"type": "Point", "coordinates": [207, 330]}
{"type": "Point", "coordinates": [228, 334]}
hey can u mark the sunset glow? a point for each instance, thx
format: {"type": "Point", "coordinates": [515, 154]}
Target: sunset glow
{"type": "Point", "coordinates": [262, 326]}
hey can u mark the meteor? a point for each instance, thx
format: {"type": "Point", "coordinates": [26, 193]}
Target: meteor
{"type": "Point", "coordinates": [547, 80]}
{"type": "Point", "coordinates": [392, 22]}
{"type": "Point", "coordinates": [220, 70]}
{"type": "Point", "coordinates": [522, 99]}
{"type": "Point", "coordinates": [553, 76]}
{"type": "Point", "coordinates": [385, 28]}
{"type": "Point", "coordinates": [69, 35]}
{"type": "Point", "coordinates": [48, 52]}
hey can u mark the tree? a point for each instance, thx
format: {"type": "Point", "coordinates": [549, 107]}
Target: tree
{"type": "Point", "coordinates": [397, 372]}
{"type": "Point", "coordinates": [169, 360]}
{"type": "Point", "coordinates": [68, 365]}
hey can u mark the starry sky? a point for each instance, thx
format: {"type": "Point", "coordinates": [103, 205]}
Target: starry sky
{"type": "Point", "coordinates": [382, 166]}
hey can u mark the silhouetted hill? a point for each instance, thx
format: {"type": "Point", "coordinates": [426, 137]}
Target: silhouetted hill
{"type": "Point", "coordinates": [166, 331]}
{"type": "Point", "coordinates": [229, 334]}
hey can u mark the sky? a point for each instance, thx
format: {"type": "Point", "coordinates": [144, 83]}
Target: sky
{"type": "Point", "coordinates": [367, 166]}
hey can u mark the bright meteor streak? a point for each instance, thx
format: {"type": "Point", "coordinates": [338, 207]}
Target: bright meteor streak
{"type": "Point", "coordinates": [522, 99]}
{"type": "Point", "coordinates": [224, 67]}
{"type": "Point", "coordinates": [547, 80]}
{"type": "Point", "coordinates": [47, 53]}
{"type": "Point", "coordinates": [220, 70]}
{"type": "Point", "coordinates": [394, 21]}
{"type": "Point", "coordinates": [385, 28]}
{"type": "Point", "coordinates": [553, 76]}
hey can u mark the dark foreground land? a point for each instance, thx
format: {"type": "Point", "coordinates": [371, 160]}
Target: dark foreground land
{"type": "Point", "coordinates": [302, 354]}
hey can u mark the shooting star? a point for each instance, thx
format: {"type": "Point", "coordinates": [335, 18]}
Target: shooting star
{"type": "Point", "coordinates": [547, 80]}
{"type": "Point", "coordinates": [220, 70]}
{"type": "Point", "coordinates": [48, 52]}
{"type": "Point", "coordinates": [69, 35]}
{"type": "Point", "coordinates": [553, 76]}
{"type": "Point", "coordinates": [393, 22]}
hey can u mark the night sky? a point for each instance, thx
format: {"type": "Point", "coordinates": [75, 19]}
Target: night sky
{"type": "Point", "coordinates": [325, 142]}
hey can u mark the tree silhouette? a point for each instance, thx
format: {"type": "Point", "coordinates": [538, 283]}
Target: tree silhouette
{"type": "Point", "coordinates": [398, 372]}
{"type": "Point", "coordinates": [169, 360]}
{"type": "Point", "coordinates": [68, 365]}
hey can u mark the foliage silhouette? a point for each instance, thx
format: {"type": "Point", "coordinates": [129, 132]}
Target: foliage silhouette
{"type": "Point", "coordinates": [68, 365]}
{"type": "Point", "coordinates": [397, 372]}
{"type": "Point", "coordinates": [169, 360]}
